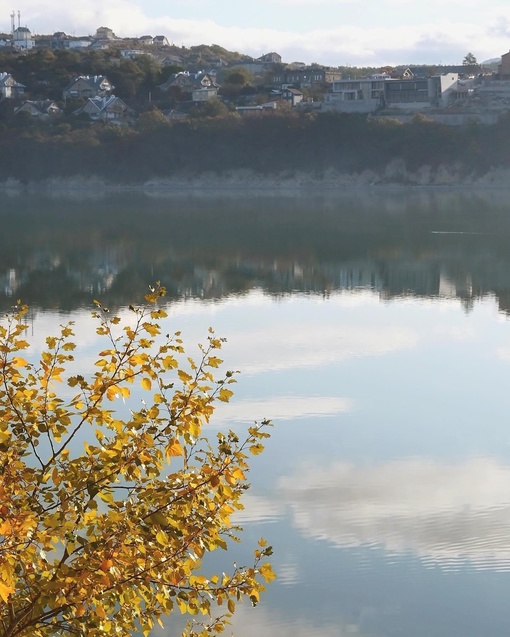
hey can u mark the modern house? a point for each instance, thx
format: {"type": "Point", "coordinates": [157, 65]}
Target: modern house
{"type": "Point", "coordinates": [304, 78]}
{"type": "Point", "coordinates": [382, 91]}
{"type": "Point", "coordinates": [357, 96]}
{"type": "Point", "coordinates": [415, 94]}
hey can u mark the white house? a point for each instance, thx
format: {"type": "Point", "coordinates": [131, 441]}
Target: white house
{"type": "Point", "coordinates": [22, 39]}
{"type": "Point", "coordinates": [368, 95]}
{"type": "Point", "coordinates": [356, 96]}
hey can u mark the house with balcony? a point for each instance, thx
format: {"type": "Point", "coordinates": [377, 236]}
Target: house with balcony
{"type": "Point", "coordinates": [381, 91]}
{"type": "Point", "coordinates": [421, 93]}
{"type": "Point", "coordinates": [357, 96]}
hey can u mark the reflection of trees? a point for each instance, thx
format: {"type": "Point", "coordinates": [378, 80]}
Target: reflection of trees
{"type": "Point", "coordinates": [63, 253]}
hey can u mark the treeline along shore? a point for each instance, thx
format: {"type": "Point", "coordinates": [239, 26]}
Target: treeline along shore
{"type": "Point", "coordinates": [285, 148]}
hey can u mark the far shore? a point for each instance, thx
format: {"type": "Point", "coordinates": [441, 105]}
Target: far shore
{"type": "Point", "coordinates": [394, 176]}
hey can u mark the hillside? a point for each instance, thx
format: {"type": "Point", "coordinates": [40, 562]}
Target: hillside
{"type": "Point", "coordinates": [279, 146]}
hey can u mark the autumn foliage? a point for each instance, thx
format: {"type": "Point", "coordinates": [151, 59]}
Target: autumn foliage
{"type": "Point", "coordinates": [104, 520]}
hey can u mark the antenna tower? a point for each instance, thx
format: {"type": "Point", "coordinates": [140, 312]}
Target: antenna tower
{"type": "Point", "coordinates": [13, 15]}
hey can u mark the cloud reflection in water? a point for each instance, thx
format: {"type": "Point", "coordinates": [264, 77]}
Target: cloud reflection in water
{"type": "Point", "coordinates": [446, 514]}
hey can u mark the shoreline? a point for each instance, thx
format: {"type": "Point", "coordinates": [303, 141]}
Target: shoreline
{"type": "Point", "coordinates": [394, 177]}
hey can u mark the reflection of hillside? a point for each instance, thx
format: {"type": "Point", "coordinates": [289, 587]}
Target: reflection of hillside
{"type": "Point", "coordinates": [64, 253]}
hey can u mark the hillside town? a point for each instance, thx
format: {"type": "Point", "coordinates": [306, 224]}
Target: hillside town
{"type": "Point", "coordinates": [211, 81]}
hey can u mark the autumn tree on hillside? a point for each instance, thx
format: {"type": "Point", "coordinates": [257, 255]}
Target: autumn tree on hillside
{"type": "Point", "coordinates": [104, 519]}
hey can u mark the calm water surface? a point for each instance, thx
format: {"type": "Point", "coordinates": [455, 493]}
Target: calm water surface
{"type": "Point", "coordinates": [373, 330]}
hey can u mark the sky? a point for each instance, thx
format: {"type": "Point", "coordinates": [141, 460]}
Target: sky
{"type": "Point", "coordinates": [330, 32]}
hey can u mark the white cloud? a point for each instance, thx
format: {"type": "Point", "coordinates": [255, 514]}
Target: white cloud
{"type": "Point", "coordinates": [445, 514]}
{"type": "Point", "coordinates": [306, 345]}
{"type": "Point", "coordinates": [384, 37]}
{"type": "Point", "coordinates": [281, 408]}
{"type": "Point", "coordinates": [258, 509]}
{"type": "Point", "coordinates": [262, 621]}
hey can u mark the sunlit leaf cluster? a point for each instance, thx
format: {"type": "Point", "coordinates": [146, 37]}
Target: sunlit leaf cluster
{"type": "Point", "coordinates": [106, 511]}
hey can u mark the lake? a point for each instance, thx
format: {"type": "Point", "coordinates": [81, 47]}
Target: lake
{"type": "Point", "coordinates": [373, 329]}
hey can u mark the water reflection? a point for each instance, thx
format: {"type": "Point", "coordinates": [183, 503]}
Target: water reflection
{"type": "Point", "coordinates": [372, 329]}
{"type": "Point", "coordinates": [451, 244]}
{"type": "Point", "coordinates": [446, 514]}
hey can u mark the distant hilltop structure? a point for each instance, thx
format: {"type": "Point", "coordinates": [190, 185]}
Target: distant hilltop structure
{"type": "Point", "coordinates": [21, 36]}
{"type": "Point", "coordinates": [104, 33]}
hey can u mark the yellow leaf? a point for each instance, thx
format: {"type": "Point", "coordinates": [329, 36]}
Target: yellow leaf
{"type": "Point", "coordinates": [17, 361]}
{"type": "Point", "coordinates": [267, 572]}
{"type": "Point", "coordinates": [146, 383]}
{"type": "Point", "coordinates": [100, 612]}
{"type": "Point", "coordinates": [183, 376]}
{"type": "Point", "coordinates": [5, 590]}
{"type": "Point", "coordinates": [151, 328]}
{"type": "Point", "coordinates": [169, 362]}
{"type": "Point", "coordinates": [238, 474]}
{"type": "Point", "coordinates": [161, 538]}
{"type": "Point", "coordinates": [225, 395]}
{"type": "Point", "coordinates": [174, 449]}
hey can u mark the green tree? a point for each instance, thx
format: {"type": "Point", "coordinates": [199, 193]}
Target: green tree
{"type": "Point", "coordinates": [469, 59]}
{"type": "Point", "coordinates": [107, 539]}
{"type": "Point", "coordinates": [238, 77]}
{"type": "Point", "coordinates": [152, 120]}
